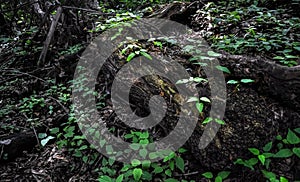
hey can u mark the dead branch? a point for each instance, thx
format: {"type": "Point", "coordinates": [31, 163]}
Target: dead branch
{"type": "Point", "coordinates": [43, 54]}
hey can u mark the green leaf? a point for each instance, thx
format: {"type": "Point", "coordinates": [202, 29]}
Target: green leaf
{"type": "Point", "coordinates": [297, 130]}
{"type": "Point", "coordinates": [239, 161]}
{"type": "Point", "coordinates": [179, 162]}
{"type": "Point", "coordinates": [168, 172]}
{"type": "Point", "coordinates": [137, 173]}
{"type": "Point", "coordinates": [296, 151]}
{"type": "Point", "coordinates": [291, 57]}
{"type": "Point", "coordinates": [153, 155]}
{"type": "Point", "coordinates": [182, 150]}
{"type": "Point", "coordinates": [54, 131]}
{"type": "Point", "coordinates": [232, 82]}
{"type": "Point", "coordinates": [208, 175]}
{"type": "Point", "coordinates": [224, 174]}
{"type": "Point", "coordinates": [279, 146]}
{"type": "Point", "coordinates": [42, 135]}
{"type": "Point", "coordinates": [218, 179]}
{"type": "Point", "coordinates": [213, 54]}
{"type": "Point", "coordinates": [251, 162]}
{"type": "Point", "coordinates": [297, 48]}
{"type": "Point", "coordinates": [278, 137]}
{"type": "Point", "coordinates": [224, 69]}
{"type": "Point", "coordinates": [193, 99]}
{"type": "Point", "coordinates": [262, 159]}
{"type": "Point", "coordinates": [268, 174]}
{"type": "Point", "coordinates": [146, 55]}
{"type": "Point", "coordinates": [254, 151]}
{"type": "Point", "coordinates": [283, 179]}
{"type": "Point", "coordinates": [46, 140]}
{"type": "Point", "coordinates": [144, 142]}
{"type": "Point", "coordinates": [292, 138]}
{"type": "Point", "coordinates": [199, 107]}
{"type": "Point", "coordinates": [120, 178]}
{"type": "Point", "coordinates": [111, 161]}
{"type": "Point", "coordinates": [182, 81]}
{"type": "Point", "coordinates": [267, 47]}
{"type": "Point", "coordinates": [171, 180]}
{"type": "Point", "coordinates": [135, 162]}
{"type": "Point", "coordinates": [268, 155]}
{"type": "Point", "coordinates": [205, 99]}
{"type": "Point", "coordinates": [144, 135]}
{"type": "Point", "coordinates": [219, 121]}
{"type": "Point", "coordinates": [247, 80]}
{"type": "Point", "coordinates": [130, 57]}
{"type": "Point", "coordinates": [85, 158]}
{"type": "Point", "coordinates": [207, 120]}
{"type": "Point", "coordinates": [172, 165]}
{"type": "Point", "coordinates": [102, 142]}
{"type": "Point", "coordinates": [135, 146]}
{"type": "Point", "coordinates": [127, 136]}
{"type": "Point", "coordinates": [267, 163]}
{"type": "Point", "coordinates": [279, 58]}
{"type": "Point", "coordinates": [199, 80]}
{"type": "Point", "coordinates": [283, 153]}
{"type": "Point", "coordinates": [105, 179]}
{"type": "Point", "coordinates": [158, 170]}
{"type": "Point", "coordinates": [268, 147]}
{"type": "Point", "coordinates": [83, 147]}
{"type": "Point", "coordinates": [109, 149]}
{"type": "Point", "coordinates": [125, 168]}
{"type": "Point", "coordinates": [146, 164]}
{"type": "Point", "coordinates": [143, 153]}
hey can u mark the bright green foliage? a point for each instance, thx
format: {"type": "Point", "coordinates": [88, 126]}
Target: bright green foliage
{"type": "Point", "coordinates": [219, 177]}
{"type": "Point", "coordinates": [266, 156]}
{"type": "Point", "coordinates": [265, 31]}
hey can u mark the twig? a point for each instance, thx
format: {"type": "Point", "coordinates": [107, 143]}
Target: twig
{"type": "Point", "coordinates": [23, 73]}
{"type": "Point", "coordinates": [64, 108]}
{"type": "Point", "coordinates": [42, 57]}
{"type": "Point", "coordinates": [36, 136]}
{"type": "Point", "coordinates": [188, 174]}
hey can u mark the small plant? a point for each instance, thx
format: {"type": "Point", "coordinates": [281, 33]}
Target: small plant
{"type": "Point", "coordinates": [267, 32]}
{"type": "Point", "coordinates": [44, 138]}
{"type": "Point", "coordinates": [238, 83]}
{"type": "Point", "coordinates": [220, 176]}
{"type": "Point", "coordinates": [199, 102]}
{"type": "Point", "coordinates": [135, 49]}
{"type": "Point", "coordinates": [72, 50]}
{"type": "Point", "coordinates": [121, 19]}
{"type": "Point", "coordinates": [265, 157]}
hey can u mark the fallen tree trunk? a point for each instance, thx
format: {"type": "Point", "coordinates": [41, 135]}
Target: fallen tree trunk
{"type": "Point", "coordinates": [281, 82]}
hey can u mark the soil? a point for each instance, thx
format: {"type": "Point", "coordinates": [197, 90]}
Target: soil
{"type": "Point", "coordinates": [254, 116]}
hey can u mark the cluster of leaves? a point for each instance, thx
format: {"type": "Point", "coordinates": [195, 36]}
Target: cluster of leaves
{"type": "Point", "coordinates": [144, 170]}
{"type": "Point", "coordinates": [285, 148]}
{"type": "Point", "coordinates": [254, 29]}
{"type": "Point", "coordinates": [134, 49]}
{"type": "Point", "coordinates": [120, 19]}
{"type": "Point", "coordinates": [219, 177]}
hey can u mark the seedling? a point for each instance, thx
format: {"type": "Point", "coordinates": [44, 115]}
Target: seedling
{"type": "Point", "coordinates": [220, 176]}
{"type": "Point", "coordinates": [237, 83]}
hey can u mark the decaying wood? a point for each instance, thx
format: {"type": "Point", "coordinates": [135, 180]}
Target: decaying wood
{"type": "Point", "coordinates": [12, 146]}
{"type": "Point", "coordinates": [280, 81]}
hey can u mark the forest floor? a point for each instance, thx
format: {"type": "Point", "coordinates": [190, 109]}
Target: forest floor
{"type": "Point", "coordinates": [36, 101]}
